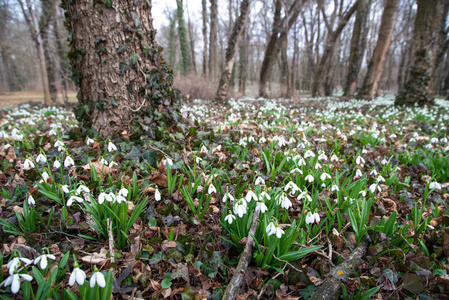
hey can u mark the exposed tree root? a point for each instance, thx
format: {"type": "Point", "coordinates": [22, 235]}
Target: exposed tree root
{"type": "Point", "coordinates": [330, 289]}
{"type": "Point", "coordinates": [245, 258]}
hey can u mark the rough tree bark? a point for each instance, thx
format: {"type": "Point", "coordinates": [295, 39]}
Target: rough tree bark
{"type": "Point", "coordinates": [372, 78]}
{"type": "Point", "coordinates": [124, 84]}
{"type": "Point", "coordinates": [239, 24]}
{"type": "Point", "coordinates": [243, 61]}
{"type": "Point", "coordinates": [213, 38]}
{"type": "Point", "coordinates": [204, 4]}
{"type": "Point", "coordinates": [332, 36]}
{"type": "Point", "coordinates": [31, 20]}
{"type": "Point", "coordinates": [358, 45]}
{"type": "Point", "coordinates": [278, 36]}
{"type": "Point", "coordinates": [418, 89]}
{"type": "Point", "coordinates": [63, 70]}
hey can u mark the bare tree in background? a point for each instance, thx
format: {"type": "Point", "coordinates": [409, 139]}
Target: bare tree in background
{"type": "Point", "coordinates": [213, 38]}
{"type": "Point", "coordinates": [238, 27]}
{"type": "Point", "coordinates": [204, 10]}
{"type": "Point", "coordinates": [418, 89]}
{"type": "Point", "coordinates": [372, 78]}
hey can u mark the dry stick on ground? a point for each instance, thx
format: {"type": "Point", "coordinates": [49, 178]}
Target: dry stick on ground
{"type": "Point", "coordinates": [236, 280]}
{"type": "Point", "coordinates": [330, 289]}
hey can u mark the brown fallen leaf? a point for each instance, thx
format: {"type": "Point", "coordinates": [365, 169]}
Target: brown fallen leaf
{"type": "Point", "coordinates": [167, 245]}
{"type": "Point", "coordinates": [446, 242]}
{"type": "Point", "coordinates": [389, 204]}
{"type": "Point", "coordinates": [102, 169]}
{"type": "Point", "coordinates": [155, 285]}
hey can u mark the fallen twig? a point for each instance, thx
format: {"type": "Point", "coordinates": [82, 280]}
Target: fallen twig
{"type": "Point", "coordinates": [245, 258]}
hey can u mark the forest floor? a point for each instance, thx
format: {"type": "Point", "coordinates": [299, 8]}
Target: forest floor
{"type": "Point", "coordinates": [168, 218]}
{"type": "Point", "coordinates": [16, 98]}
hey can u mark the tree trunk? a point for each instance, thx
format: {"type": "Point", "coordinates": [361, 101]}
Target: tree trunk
{"type": "Point", "coordinates": [239, 24]}
{"type": "Point", "coordinates": [183, 44]}
{"type": "Point", "coordinates": [372, 78]}
{"type": "Point", "coordinates": [171, 47]}
{"type": "Point", "coordinates": [329, 82]}
{"type": "Point", "coordinates": [358, 45]}
{"type": "Point", "coordinates": [213, 39]}
{"type": "Point", "coordinates": [31, 20]}
{"type": "Point", "coordinates": [332, 36]}
{"type": "Point", "coordinates": [61, 56]}
{"type": "Point", "coordinates": [418, 89]}
{"type": "Point", "coordinates": [204, 4]}
{"type": "Point", "coordinates": [192, 43]}
{"type": "Point", "coordinates": [278, 36]}
{"type": "Point", "coordinates": [124, 84]}
{"type": "Point", "coordinates": [242, 64]}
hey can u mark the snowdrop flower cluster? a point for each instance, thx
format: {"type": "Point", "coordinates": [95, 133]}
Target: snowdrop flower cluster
{"type": "Point", "coordinates": [273, 228]}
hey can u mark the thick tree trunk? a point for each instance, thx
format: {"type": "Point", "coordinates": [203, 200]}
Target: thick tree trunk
{"type": "Point", "coordinates": [124, 83]}
{"type": "Point", "coordinates": [418, 89]}
{"type": "Point", "coordinates": [278, 36]}
{"type": "Point", "coordinates": [358, 45]}
{"type": "Point", "coordinates": [213, 38]}
{"type": "Point", "coordinates": [329, 82]}
{"type": "Point", "coordinates": [204, 4]}
{"type": "Point", "coordinates": [317, 87]}
{"type": "Point", "coordinates": [239, 24]}
{"type": "Point", "coordinates": [372, 78]}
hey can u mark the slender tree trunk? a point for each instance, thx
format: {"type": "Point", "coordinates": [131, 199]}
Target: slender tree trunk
{"type": "Point", "coordinates": [418, 89]}
{"type": "Point", "coordinates": [277, 38]}
{"type": "Point", "coordinates": [63, 70]}
{"type": "Point", "coordinates": [124, 84]}
{"type": "Point", "coordinates": [183, 44]}
{"type": "Point", "coordinates": [239, 24]}
{"type": "Point", "coordinates": [171, 49]}
{"type": "Point", "coordinates": [192, 42]}
{"type": "Point", "coordinates": [372, 78]}
{"type": "Point", "coordinates": [213, 38]}
{"type": "Point", "coordinates": [204, 4]}
{"type": "Point", "coordinates": [31, 20]}
{"type": "Point", "coordinates": [242, 63]}
{"type": "Point", "coordinates": [358, 45]}
{"type": "Point", "coordinates": [317, 87]}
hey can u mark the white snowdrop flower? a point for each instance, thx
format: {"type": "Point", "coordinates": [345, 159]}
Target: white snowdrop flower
{"type": "Point", "coordinates": [359, 160]}
{"type": "Point", "coordinates": [240, 208]}
{"type": "Point", "coordinates": [157, 194]}
{"type": "Point", "coordinates": [45, 176]}
{"type": "Point", "coordinates": [41, 159]}
{"type": "Point", "coordinates": [15, 263]}
{"type": "Point", "coordinates": [412, 140]}
{"type": "Point", "coordinates": [364, 151]}
{"type": "Point", "coordinates": [211, 189]}
{"type": "Point", "coordinates": [30, 200]}
{"type": "Point", "coordinates": [111, 147]}
{"type": "Point", "coordinates": [434, 140]}
{"type": "Point", "coordinates": [260, 206]}
{"type": "Point", "coordinates": [322, 156]}
{"type": "Point", "coordinates": [380, 179]}
{"type": "Point", "coordinates": [14, 281]}
{"type": "Point", "coordinates": [43, 259]}
{"type": "Point", "coordinates": [97, 278]}
{"type": "Point", "coordinates": [301, 162]}
{"type": "Point", "coordinates": [393, 136]}
{"type": "Point", "coordinates": [373, 172]}
{"type": "Point", "coordinates": [74, 198]}
{"type": "Point", "coordinates": [52, 132]}
{"type": "Point", "coordinates": [250, 195]}
{"type": "Point", "coordinates": [6, 147]}
{"type": "Point", "coordinates": [291, 185]}
{"type": "Point", "coordinates": [363, 193]}
{"type": "Point", "coordinates": [56, 164]}
{"type": "Point", "coordinates": [68, 161]}
{"type": "Point", "coordinates": [227, 196]}
{"type": "Point", "coordinates": [334, 158]}
{"type": "Point", "coordinates": [123, 192]}
{"type": "Point", "coordinates": [435, 185]}
{"type": "Point", "coordinates": [310, 218]}
{"type": "Point", "coordinates": [203, 150]}
{"type": "Point", "coordinates": [259, 181]}
{"type": "Point", "coordinates": [230, 218]}
{"type": "Point", "coordinates": [198, 159]}
{"type": "Point", "coordinates": [112, 163]}
{"type": "Point", "coordinates": [82, 188]}
{"type": "Point", "coordinates": [309, 178]}
{"type": "Point", "coordinates": [296, 170]}
{"type": "Point", "coordinates": [324, 176]}
{"type": "Point", "coordinates": [284, 201]}
{"type": "Point", "coordinates": [120, 198]}
{"type": "Point", "coordinates": [102, 197]}
{"type": "Point", "coordinates": [304, 195]}
{"type": "Point", "coordinates": [104, 161]}
{"type": "Point", "coordinates": [264, 195]}
{"type": "Point", "coordinates": [384, 161]}
{"type": "Point", "coordinates": [274, 229]}
{"type": "Point", "coordinates": [373, 188]}
{"type": "Point", "coordinates": [317, 166]}
{"type": "Point", "coordinates": [335, 188]}
{"type": "Point", "coordinates": [16, 135]}
{"type": "Point", "coordinates": [168, 161]}
{"type": "Point", "coordinates": [60, 145]}
{"type": "Point", "coordinates": [65, 188]}
{"type": "Point", "coordinates": [89, 141]}
{"type": "Point", "coordinates": [281, 141]}
{"type": "Point", "coordinates": [28, 164]}
{"type": "Point", "coordinates": [242, 143]}
{"type": "Point", "coordinates": [358, 173]}
{"type": "Point", "coordinates": [262, 140]}
{"type": "Point", "coordinates": [251, 139]}
{"type": "Point", "coordinates": [443, 140]}
{"type": "Point", "coordinates": [77, 275]}
{"type": "Point", "coordinates": [308, 154]}
{"type": "Point", "coordinates": [292, 140]}
{"type": "Point", "coordinates": [428, 146]}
